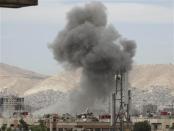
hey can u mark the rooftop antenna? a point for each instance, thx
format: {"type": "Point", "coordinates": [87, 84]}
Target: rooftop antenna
{"type": "Point", "coordinates": [122, 114]}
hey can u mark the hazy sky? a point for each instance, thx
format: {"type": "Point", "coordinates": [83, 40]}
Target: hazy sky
{"type": "Point", "coordinates": [26, 32]}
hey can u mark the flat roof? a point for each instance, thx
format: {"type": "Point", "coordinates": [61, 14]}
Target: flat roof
{"type": "Point", "coordinates": [17, 3]}
{"type": "Point", "coordinates": [88, 124]}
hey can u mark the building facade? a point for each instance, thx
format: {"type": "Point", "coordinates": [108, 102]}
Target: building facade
{"type": "Point", "coordinates": [9, 105]}
{"type": "Point", "coordinates": [149, 109]}
{"type": "Point", "coordinates": [56, 123]}
{"type": "Point", "coordinates": [157, 124]}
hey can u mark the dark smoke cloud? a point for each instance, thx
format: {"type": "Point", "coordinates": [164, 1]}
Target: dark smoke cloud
{"type": "Point", "coordinates": [87, 42]}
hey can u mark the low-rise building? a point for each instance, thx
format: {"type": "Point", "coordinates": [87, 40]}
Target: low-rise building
{"type": "Point", "coordinates": [90, 126]}
{"type": "Point", "coordinates": [157, 124]}
{"type": "Point", "coordinates": [57, 123]}
{"type": "Point", "coordinates": [15, 121]}
{"type": "Point", "coordinates": [11, 104]}
{"type": "Point", "coordinates": [149, 109]}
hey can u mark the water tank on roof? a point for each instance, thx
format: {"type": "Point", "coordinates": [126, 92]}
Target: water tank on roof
{"type": "Point", "coordinates": [17, 3]}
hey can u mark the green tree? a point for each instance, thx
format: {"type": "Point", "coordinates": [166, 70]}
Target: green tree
{"type": "Point", "coordinates": [142, 126]}
{"type": "Point", "coordinates": [9, 129]}
{"type": "Point", "coordinates": [40, 127]}
{"type": "Point", "coordinates": [4, 127]}
{"type": "Point", "coordinates": [23, 125]}
{"type": "Point", "coordinates": [35, 128]}
{"type": "Point", "coordinates": [172, 127]}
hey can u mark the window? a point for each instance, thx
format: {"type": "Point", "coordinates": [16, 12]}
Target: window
{"type": "Point", "coordinates": [105, 129]}
{"type": "Point", "coordinates": [60, 129]}
{"type": "Point", "coordinates": [167, 126]}
{"type": "Point", "coordinates": [97, 129]}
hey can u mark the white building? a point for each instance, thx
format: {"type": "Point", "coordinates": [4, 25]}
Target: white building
{"type": "Point", "coordinates": [9, 105]}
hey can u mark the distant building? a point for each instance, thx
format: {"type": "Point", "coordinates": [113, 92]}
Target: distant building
{"type": "Point", "coordinates": [157, 124]}
{"type": "Point", "coordinates": [169, 110]}
{"type": "Point", "coordinates": [149, 109]}
{"type": "Point", "coordinates": [11, 104]}
{"type": "Point", "coordinates": [15, 121]}
{"type": "Point", "coordinates": [55, 122]}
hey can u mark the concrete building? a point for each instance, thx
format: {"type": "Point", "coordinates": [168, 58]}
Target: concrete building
{"type": "Point", "coordinates": [15, 121]}
{"type": "Point", "coordinates": [169, 110]}
{"type": "Point", "coordinates": [157, 124]}
{"type": "Point", "coordinates": [90, 126]}
{"type": "Point", "coordinates": [56, 123]}
{"type": "Point", "coordinates": [17, 3]}
{"type": "Point", "coordinates": [11, 104]}
{"type": "Point", "coordinates": [149, 109]}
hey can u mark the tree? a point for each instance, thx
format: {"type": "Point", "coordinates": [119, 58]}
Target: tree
{"type": "Point", "coordinates": [9, 129]}
{"type": "Point", "coordinates": [23, 125]}
{"type": "Point", "coordinates": [35, 128]}
{"type": "Point", "coordinates": [40, 127]}
{"type": "Point", "coordinates": [4, 127]}
{"type": "Point", "coordinates": [142, 126]}
{"type": "Point", "coordinates": [172, 127]}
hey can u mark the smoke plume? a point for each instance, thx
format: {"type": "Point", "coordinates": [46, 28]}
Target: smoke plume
{"type": "Point", "coordinates": [88, 42]}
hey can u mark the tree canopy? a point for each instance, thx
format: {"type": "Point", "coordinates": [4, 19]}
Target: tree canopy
{"type": "Point", "coordinates": [142, 126]}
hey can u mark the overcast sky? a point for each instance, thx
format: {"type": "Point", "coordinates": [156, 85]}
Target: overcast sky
{"type": "Point", "coordinates": [26, 32]}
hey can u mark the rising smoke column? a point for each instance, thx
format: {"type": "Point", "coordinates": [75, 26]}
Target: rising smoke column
{"type": "Point", "coordinates": [87, 42]}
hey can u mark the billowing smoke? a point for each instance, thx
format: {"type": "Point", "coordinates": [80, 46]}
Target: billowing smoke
{"type": "Point", "coordinates": [88, 42]}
